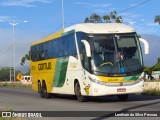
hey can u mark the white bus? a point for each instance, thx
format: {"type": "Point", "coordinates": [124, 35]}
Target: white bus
{"type": "Point", "coordinates": [88, 60]}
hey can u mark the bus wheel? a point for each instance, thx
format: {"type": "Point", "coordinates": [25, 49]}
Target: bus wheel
{"type": "Point", "coordinates": [80, 97]}
{"type": "Point", "coordinates": [122, 97]}
{"type": "Point", "coordinates": [40, 90]}
{"type": "Point", "coordinates": [44, 91]}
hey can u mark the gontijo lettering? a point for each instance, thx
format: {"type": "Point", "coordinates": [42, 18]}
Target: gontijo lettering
{"type": "Point", "coordinates": [44, 66]}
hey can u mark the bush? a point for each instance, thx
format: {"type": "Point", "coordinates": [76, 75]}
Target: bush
{"type": "Point", "coordinates": [153, 92]}
{"type": "Point", "coordinates": [15, 84]}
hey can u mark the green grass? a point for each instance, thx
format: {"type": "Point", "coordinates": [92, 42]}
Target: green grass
{"type": "Point", "coordinates": [152, 80]}
{"type": "Point", "coordinates": [153, 92]}
{"type": "Point", "coordinates": [7, 118]}
{"type": "Point", "coordinates": [15, 84]}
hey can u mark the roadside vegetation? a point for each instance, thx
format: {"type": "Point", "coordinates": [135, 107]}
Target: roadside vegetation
{"type": "Point", "coordinates": [15, 84]}
{"type": "Point", "coordinates": [153, 92]}
{"type": "Point", "coordinates": [147, 80]}
{"type": "Point", "coordinates": [13, 118]}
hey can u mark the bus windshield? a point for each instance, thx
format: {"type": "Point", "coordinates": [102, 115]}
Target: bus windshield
{"type": "Point", "coordinates": [115, 54]}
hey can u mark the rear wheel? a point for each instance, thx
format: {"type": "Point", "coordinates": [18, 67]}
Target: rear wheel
{"type": "Point", "coordinates": [80, 97]}
{"type": "Point", "coordinates": [122, 97]}
{"type": "Point", "coordinates": [40, 89]}
{"type": "Point", "coordinates": [44, 91]}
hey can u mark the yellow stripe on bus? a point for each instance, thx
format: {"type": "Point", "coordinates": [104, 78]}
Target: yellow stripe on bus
{"type": "Point", "coordinates": [50, 37]}
{"type": "Point", "coordinates": [110, 79]}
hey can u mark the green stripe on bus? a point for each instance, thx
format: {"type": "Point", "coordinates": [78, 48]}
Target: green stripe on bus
{"type": "Point", "coordinates": [60, 71]}
{"type": "Point", "coordinates": [134, 77]}
{"type": "Point", "coordinates": [57, 72]}
{"type": "Point", "coordinates": [127, 78]}
{"type": "Point", "coordinates": [69, 32]}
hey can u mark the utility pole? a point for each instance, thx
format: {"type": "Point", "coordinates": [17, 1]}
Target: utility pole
{"type": "Point", "coordinates": [10, 74]}
{"type": "Point", "coordinates": [13, 23]}
{"type": "Point", "coordinates": [14, 48]}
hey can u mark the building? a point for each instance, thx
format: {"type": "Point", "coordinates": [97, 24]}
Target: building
{"type": "Point", "coordinates": [156, 75]}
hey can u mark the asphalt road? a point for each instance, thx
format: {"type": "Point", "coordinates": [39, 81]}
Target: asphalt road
{"type": "Point", "coordinates": [24, 99]}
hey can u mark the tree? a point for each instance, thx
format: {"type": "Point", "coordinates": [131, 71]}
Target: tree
{"type": "Point", "coordinates": [148, 70]}
{"type": "Point", "coordinates": [157, 19]}
{"type": "Point", "coordinates": [87, 20]}
{"type": "Point", "coordinates": [107, 18]}
{"type": "Point", "coordinates": [94, 18]}
{"type": "Point", "coordinates": [110, 18]}
{"type": "Point", "coordinates": [156, 67]}
{"type": "Point", "coordinates": [25, 57]}
{"type": "Point", "coordinates": [113, 17]}
{"type": "Point", "coordinates": [5, 74]}
{"type": "Point", "coordinates": [158, 60]}
{"type": "Point", "coordinates": [119, 19]}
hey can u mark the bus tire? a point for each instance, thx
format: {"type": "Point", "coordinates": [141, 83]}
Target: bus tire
{"type": "Point", "coordinates": [40, 89]}
{"type": "Point", "coordinates": [122, 97]}
{"type": "Point", "coordinates": [80, 97]}
{"type": "Point", "coordinates": [44, 91]}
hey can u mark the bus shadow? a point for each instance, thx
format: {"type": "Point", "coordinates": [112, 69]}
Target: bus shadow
{"type": "Point", "coordinates": [126, 110]}
{"type": "Point", "coordinates": [103, 99]}
{"type": "Point", "coordinates": [131, 98]}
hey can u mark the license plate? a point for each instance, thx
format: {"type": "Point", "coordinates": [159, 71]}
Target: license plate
{"type": "Point", "coordinates": [121, 90]}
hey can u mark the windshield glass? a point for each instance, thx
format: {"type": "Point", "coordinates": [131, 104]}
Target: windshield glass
{"type": "Point", "coordinates": [115, 53]}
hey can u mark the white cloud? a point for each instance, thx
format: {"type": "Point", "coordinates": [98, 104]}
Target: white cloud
{"type": "Point", "coordinates": [98, 8]}
{"type": "Point", "coordinates": [152, 24]}
{"type": "Point", "coordinates": [141, 25]}
{"type": "Point", "coordinates": [133, 4]}
{"type": "Point", "coordinates": [131, 15]}
{"type": "Point", "coordinates": [7, 18]}
{"type": "Point", "coordinates": [22, 3]}
{"type": "Point", "coordinates": [93, 5]}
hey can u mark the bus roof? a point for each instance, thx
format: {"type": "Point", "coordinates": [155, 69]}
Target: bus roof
{"type": "Point", "coordinates": [101, 28]}
{"type": "Point", "coordinates": [93, 28]}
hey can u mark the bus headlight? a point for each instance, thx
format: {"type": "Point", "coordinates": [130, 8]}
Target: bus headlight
{"type": "Point", "coordinates": [97, 81]}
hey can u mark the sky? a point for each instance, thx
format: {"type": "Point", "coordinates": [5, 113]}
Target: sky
{"type": "Point", "coordinates": [36, 19]}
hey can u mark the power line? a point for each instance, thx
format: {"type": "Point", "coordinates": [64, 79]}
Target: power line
{"type": "Point", "coordinates": [27, 43]}
{"type": "Point", "coordinates": [6, 50]}
{"type": "Point", "coordinates": [57, 27]}
{"type": "Point", "coordinates": [134, 6]}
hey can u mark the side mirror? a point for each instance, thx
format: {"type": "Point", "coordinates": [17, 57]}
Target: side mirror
{"type": "Point", "coordinates": [87, 48]}
{"type": "Point", "coordinates": [146, 45]}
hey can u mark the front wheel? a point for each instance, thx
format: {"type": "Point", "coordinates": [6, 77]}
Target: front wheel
{"type": "Point", "coordinates": [80, 97]}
